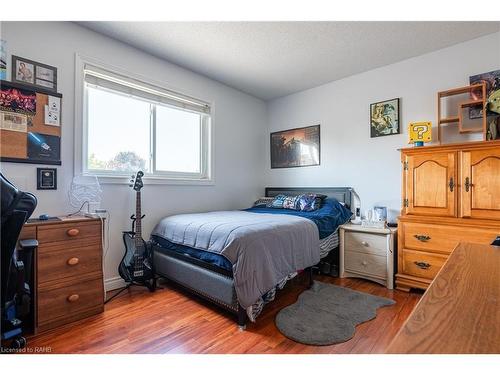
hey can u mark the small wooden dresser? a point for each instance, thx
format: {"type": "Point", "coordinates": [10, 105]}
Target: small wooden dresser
{"type": "Point", "coordinates": [68, 276]}
{"type": "Point", "coordinates": [451, 194]}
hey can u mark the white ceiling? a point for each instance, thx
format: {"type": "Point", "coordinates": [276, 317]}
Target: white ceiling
{"type": "Point", "coordinates": [273, 59]}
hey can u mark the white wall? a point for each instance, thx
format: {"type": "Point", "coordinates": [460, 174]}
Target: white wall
{"type": "Point", "coordinates": [239, 121]}
{"type": "Point", "coordinates": [349, 157]}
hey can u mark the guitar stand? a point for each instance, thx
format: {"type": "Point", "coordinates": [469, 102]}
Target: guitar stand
{"type": "Point", "coordinates": [151, 288]}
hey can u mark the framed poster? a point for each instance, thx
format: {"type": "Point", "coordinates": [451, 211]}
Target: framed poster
{"type": "Point", "coordinates": [30, 127]}
{"type": "Point", "coordinates": [384, 118]}
{"type": "Point", "coordinates": [28, 72]}
{"type": "Point", "coordinates": [299, 147]}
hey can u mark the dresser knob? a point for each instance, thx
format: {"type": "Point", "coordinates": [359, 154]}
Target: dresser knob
{"type": "Point", "coordinates": [364, 263]}
{"type": "Point", "coordinates": [364, 243]}
{"type": "Point", "coordinates": [73, 261]}
{"type": "Point", "coordinates": [72, 232]}
{"type": "Point", "coordinates": [73, 298]}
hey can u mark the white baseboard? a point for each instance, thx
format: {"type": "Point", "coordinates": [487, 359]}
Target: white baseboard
{"type": "Point", "coordinates": [114, 283]}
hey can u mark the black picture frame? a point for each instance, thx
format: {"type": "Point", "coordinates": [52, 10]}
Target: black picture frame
{"type": "Point", "coordinates": [283, 158]}
{"type": "Point", "coordinates": [46, 178]}
{"type": "Point", "coordinates": [374, 133]}
{"type": "Point", "coordinates": [35, 68]}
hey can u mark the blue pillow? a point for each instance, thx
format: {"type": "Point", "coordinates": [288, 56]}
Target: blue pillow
{"type": "Point", "coordinates": [278, 201]}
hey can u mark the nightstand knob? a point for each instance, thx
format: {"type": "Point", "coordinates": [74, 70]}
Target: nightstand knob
{"type": "Point", "coordinates": [364, 263]}
{"type": "Point", "coordinates": [364, 243]}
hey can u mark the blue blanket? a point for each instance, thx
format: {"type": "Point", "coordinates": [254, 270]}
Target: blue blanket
{"type": "Point", "coordinates": [328, 218]}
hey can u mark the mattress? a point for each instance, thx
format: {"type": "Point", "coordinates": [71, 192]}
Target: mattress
{"type": "Point", "coordinates": [326, 245]}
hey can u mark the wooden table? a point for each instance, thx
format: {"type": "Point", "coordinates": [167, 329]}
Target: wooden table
{"type": "Point", "coordinates": [460, 311]}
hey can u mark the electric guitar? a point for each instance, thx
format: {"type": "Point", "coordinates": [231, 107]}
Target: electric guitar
{"type": "Point", "coordinates": [135, 266]}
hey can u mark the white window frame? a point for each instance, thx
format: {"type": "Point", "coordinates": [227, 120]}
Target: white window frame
{"type": "Point", "coordinates": [207, 152]}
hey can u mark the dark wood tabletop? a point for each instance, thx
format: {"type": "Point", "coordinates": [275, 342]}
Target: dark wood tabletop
{"type": "Point", "coordinates": [460, 311]}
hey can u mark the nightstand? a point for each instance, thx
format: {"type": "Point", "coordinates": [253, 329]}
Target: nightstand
{"type": "Point", "coordinates": [368, 253]}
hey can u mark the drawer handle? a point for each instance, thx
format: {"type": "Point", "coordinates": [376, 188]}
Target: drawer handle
{"type": "Point", "coordinates": [451, 184]}
{"type": "Point", "coordinates": [364, 243]}
{"type": "Point", "coordinates": [73, 261]}
{"type": "Point", "coordinates": [72, 232]}
{"type": "Point", "coordinates": [364, 263]}
{"type": "Point", "coordinates": [422, 237]}
{"type": "Point", "coordinates": [422, 265]}
{"type": "Point", "coordinates": [468, 184]}
{"type": "Point", "coordinates": [73, 298]}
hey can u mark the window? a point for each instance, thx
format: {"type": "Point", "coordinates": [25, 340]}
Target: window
{"type": "Point", "coordinates": [130, 125]}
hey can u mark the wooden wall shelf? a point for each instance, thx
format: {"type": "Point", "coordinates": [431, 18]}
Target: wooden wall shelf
{"type": "Point", "coordinates": [480, 87]}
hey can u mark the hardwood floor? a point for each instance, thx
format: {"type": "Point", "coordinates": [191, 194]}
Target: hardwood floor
{"type": "Point", "coordinates": [173, 321]}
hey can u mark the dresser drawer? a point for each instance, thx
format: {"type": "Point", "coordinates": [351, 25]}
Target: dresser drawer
{"type": "Point", "coordinates": [442, 238]}
{"type": "Point", "coordinates": [64, 300]}
{"type": "Point", "coordinates": [68, 232]}
{"type": "Point", "coordinates": [57, 264]}
{"type": "Point", "coordinates": [368, 264]}
{"type": "Point", "coordinates": [422, 264]}
{"type": "Point", "coordinates": [366, 243]}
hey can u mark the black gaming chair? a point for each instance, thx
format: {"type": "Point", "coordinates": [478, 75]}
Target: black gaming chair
{"type": "Point", "coordinates": [16, 263]}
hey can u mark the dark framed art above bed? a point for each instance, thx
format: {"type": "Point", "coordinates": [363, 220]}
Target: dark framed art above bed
{"type": "Point", "coordinates": [214, 282]}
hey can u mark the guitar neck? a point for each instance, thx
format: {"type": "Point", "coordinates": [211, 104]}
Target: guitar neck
{"type": "Point", "coordinates": [138, 224]}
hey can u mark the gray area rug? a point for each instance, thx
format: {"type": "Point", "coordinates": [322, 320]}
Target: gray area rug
{"type": "Point", "coordinates": [327, 314]}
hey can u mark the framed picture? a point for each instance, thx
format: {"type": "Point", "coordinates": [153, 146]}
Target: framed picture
{"type": "Point", "coordinates": [3, 59]}
{"type": "Point", "coordinates": [29, 72]}
{"type": "Point", "coordinates": [384, 118]}
{"type": "Point", "coordinates": [299, 147]}
{"type": "Point", "coordinates": [492, 80]}
{"type": "Point", "coordinates": [46, 179]}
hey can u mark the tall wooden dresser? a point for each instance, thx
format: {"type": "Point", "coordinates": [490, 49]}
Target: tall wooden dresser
{"type": "Point", "coordinates": [68, 276]}
{"type": "Point", "coordinates": [450, 193]}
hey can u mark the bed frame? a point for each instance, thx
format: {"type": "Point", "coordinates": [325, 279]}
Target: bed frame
{"type": "Point", "coordinates": [216, 284]}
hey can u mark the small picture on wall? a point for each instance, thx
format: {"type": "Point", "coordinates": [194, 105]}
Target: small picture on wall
{"type": "Point", "coordinates": [41, 76]}
{"type": "Point", "coordinates": [384, 118]}
{"type": "Point", "coordinates": [46, 179]}
{"type": "Point", "coordinates": [298, 147]}
{"type": "Point", "coordinates": [25, 72]}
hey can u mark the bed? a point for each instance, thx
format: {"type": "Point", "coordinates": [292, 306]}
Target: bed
{"type": "Point", "coordinates": [246, 256]}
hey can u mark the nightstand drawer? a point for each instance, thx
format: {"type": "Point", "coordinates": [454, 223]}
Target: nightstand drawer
{"type": "Point", "coordinates": [365, 243]}
{"type": "Point", "coordinates": [367, 264]}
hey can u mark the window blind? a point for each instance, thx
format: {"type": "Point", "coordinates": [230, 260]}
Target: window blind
{"type": "Point", "coordinates": [97, 77]}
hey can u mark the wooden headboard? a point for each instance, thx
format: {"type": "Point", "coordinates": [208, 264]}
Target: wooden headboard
{"type": "Point", "coordinates": [342, 194]}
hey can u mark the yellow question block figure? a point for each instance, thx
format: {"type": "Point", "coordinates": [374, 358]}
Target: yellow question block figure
{"type": "Point", "coordinates": [420, 132]}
